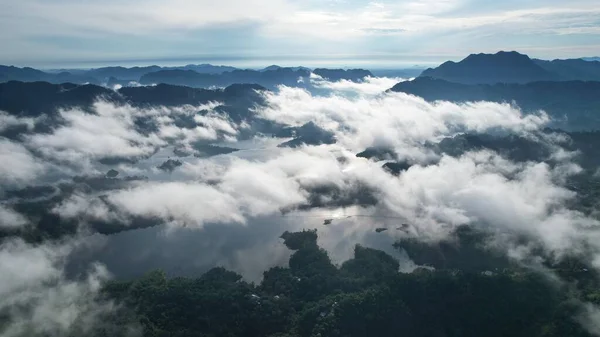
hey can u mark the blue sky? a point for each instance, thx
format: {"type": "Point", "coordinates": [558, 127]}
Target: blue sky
{"type": "Point", "coordinates": [291, 32]}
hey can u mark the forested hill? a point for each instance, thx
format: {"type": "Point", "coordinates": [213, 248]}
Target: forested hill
{"type": "Point", "coordinates": [513, 67]}
{"type": "Point", "coordinates": [572, 104]}
{"type": "Point", "coordinates": [474, 292]}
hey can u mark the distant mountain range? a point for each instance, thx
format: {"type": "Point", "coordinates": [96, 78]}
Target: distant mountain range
{"type": "Point", "coordinates": [43, 101]}
{"type": "Point", "coordinates": [513, 67]}
{"type": "Point", "coordinates": [198, 76]}
{"type": "Point", "coordinates": [33, 99]}
{"type": "Point", "coordinates": [341, 74]}
{"type": "Point", "coordinates": [568, 90]}
{"type": "Point", "coordinates": [267, 78]}
{"type": "Point", "coordinates": [591, 58]}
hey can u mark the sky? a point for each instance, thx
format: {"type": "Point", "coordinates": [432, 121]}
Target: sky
{"type": "Point", "coordinates": [291, 32]}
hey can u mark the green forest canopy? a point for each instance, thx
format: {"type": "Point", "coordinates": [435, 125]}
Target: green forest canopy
{"type": "Point", "coordinates": [471, 292]}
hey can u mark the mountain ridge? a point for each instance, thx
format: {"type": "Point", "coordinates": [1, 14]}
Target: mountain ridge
{"type": "Point", "coordinates": [502, 67]}
{"type": "Point", "coordinates": [579, 101]}
{"type": "Point", "coordinates": [200, 76]}
{"type": "Point", "coordinates": [513, 67]}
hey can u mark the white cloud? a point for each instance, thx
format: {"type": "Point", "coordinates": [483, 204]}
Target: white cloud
{"type": "Point", "coordinates": [183, 203]}
{"type": "Point", "coordinates": [8, 120]}
{"type": "Point", "coordinates": [370, 85]}
{"type": "Point", "coordinates": [109, 133]}
{"type": "Point", "coordinates": [478, 188]}
{"type": "Point", "coordinates": [137, 18]}
{"type": "Point", "coordinates": [79, 206]}
{"type": "Point", "coordinates": [10, 219]}
{"type": "Point", "coordinates": [17, 164]}
{"type": "Point", "coordinates": [395, 119]}
{"type": "Point", "coordinates": [37, 296]}
{"type": "Point", "coordinates": [190, 28]}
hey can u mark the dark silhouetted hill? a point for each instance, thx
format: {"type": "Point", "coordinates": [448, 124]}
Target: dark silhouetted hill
{"type": "Point", "coordinates": [341, 74]}
{"type": "Point", "coordinates": [576, 101]}
{"type": "Point", "coordinates": [100, 75]}
{"type": "Point", "coordinates": [268, 78]}
{"type": "Point", "coordinates": [188, 78]}
{"type": "Point", "coordinates": [502, 67]}
{"type": "Point", "coordinates": [35, 98]}
{"type": "Point", "coordinates": [276, 67]}
{"type": "Point", "coordinates": [122, 73]}
{"type": "Point", "coordinates": [573, 69]}
{"type": "Point", "coordinates": [207, 68]}
{"type": "Point", "coordinates": [10, 73]}
{"type": "Point", "coordinates": [309, 134]}
{"type": "Point", "coordinates": [197, 76]}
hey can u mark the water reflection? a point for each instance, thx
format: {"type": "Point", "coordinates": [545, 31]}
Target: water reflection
{"type": "Point", "coordinates": [248, 249]}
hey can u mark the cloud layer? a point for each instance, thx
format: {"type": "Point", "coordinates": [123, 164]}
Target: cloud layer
{"type": "Point", "coordinates": [437, 193]}
{"type": "Point", "coordinates": [414, 31]}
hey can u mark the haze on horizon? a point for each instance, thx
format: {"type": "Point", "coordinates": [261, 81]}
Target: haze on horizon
{"type": "Point", "coordinates": [257, 33]}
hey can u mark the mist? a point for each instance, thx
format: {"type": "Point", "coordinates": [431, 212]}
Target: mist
{"type": "Point", "coordinates": [229, 210]}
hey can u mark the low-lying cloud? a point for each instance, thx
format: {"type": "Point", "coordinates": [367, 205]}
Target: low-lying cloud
{"type": "Point", "coordinates": [434, 195]}
{"type": "Point", "coordinates": [39, 300]}
{"type": "Point", "coordinates": [17, 164]}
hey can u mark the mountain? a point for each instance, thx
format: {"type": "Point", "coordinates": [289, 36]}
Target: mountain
{"type": "Point", "coordinates": [21, 74]}
{"type": "Point", "coordinates": [573, 69]}
{"type": "Point", "coordinates": [341, 74]}
{"type": "Point", "coordinates": [11, 73]}
{"type": "Point", "coordinates": [207, 68]}
{"type": "Point", "coordinates": [276, 67]}
{"type": "Point", "coordinates": [577, 101]}
{"type": "Point", "coordinates": [36, 98]}
{"type": "Point", "coordinates": [309, 134]}
{"type": "Point", "coordinates": [237, 98]}
{"type": "Point", "coordinates": [180, 77]}
{"type": "Point", "coordinates": [402, 73]}
{"type": "Point", "coordinates": [591, 58]}
{"type": "Point", "coordinates": [114, 75]}
{"type": "Point", "coordinates": [502, 67]}
{"type": "Point", "coordinates": [267, 78]}
{"type": "Point", "coordinates": [135, 73]}
{"type": "Point", "coordinates": [198, 76]}
{"type": "Point", "coordinates": [122, 73]}
{"type": "Point", "coordinates": [272, 67]}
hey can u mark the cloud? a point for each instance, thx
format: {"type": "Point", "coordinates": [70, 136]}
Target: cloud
{"type": "Point", "coordinates": [183, 203]}
{"type": "Point", "coordinates": [233, 199]}
{"type": "Point", "coordinates": [483, 189]}
{"type": "Point", "coordinates": [394, 119]}
{"type": "Point", "coordinates": [589, 317]}
{"type": "Point", "coordinates": [114, 131]}
{"type": "Point", "coordinates": [17, 164]}
{"type": "Point", "coordinates": [109, 133]}
{"type": "Point", "coordinates": [479, 188]}
{"type": "Point", "coordinates": [10, 219]}
{"type": "Point", "coordinates": [370, 85]}
{"type": "Point", "coordinates": [37, 297]}
{"type": "Point", "coordinates": [84, 208]}
{"type": "Point", "coordinates": [435, 195]}
{"type": "Point", "coordinates": [191, 29]}
{"type": "Point", "coordinates": [8, 120]}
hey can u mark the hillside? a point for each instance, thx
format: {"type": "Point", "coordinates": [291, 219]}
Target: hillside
{"type": "Point", "coordinates": [502, 67]}
{"type": "Point", "coordinates": [576, 101]}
